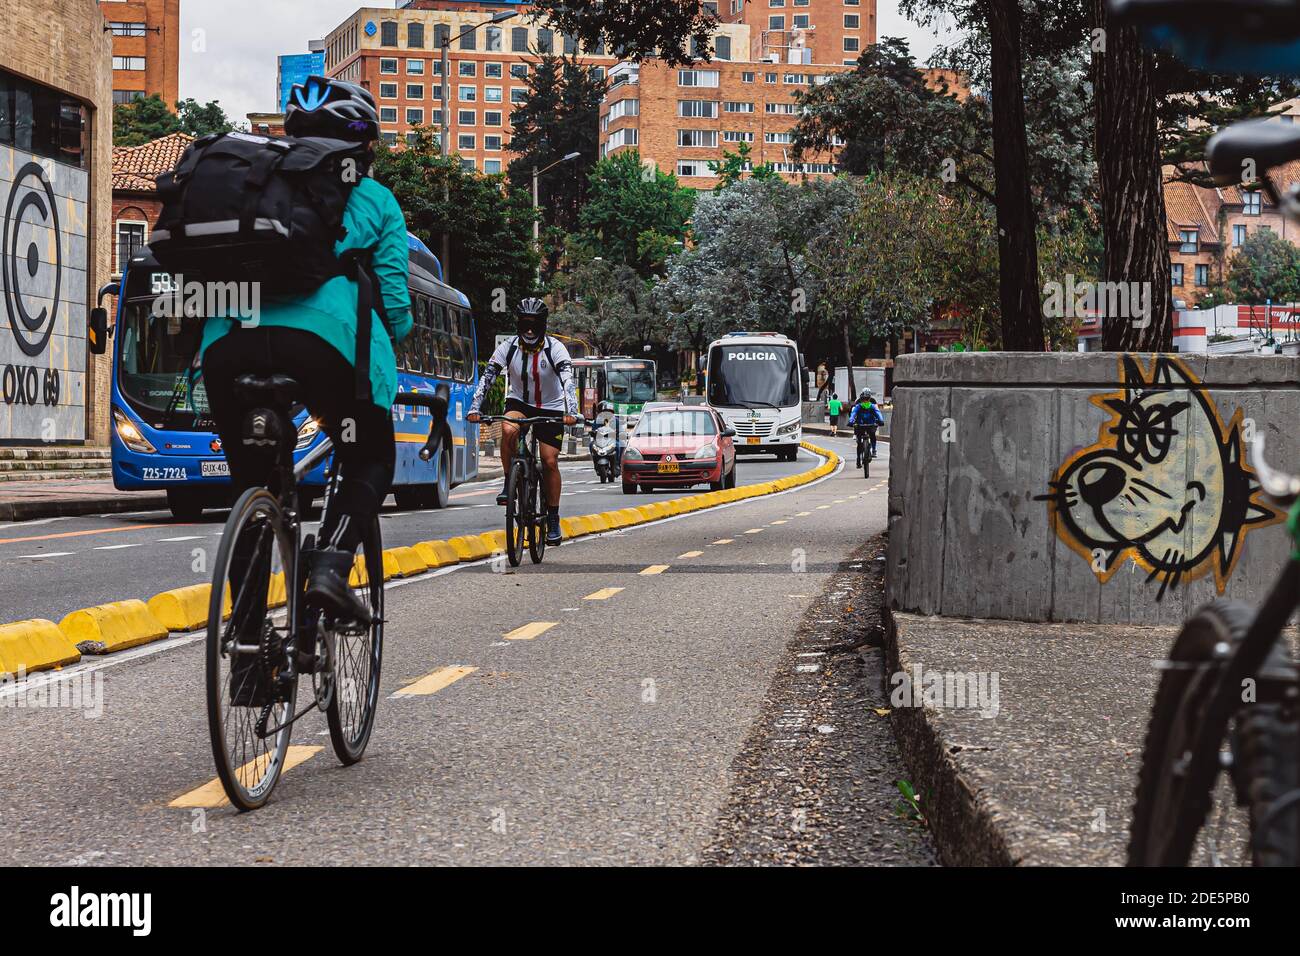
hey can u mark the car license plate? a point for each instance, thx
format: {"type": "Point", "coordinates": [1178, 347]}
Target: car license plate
{"type": "Point", "coordinates": [753, 441]}
{"type": "Point", "coordinates": [669, 468]}
{"type": "Point", "coordinates": [214, 469]}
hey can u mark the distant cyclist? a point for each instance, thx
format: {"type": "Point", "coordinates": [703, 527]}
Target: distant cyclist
{"type": "Point", "coordinates": [865, 418]}
{"type": "Point", "coordinates": [539, 385]}
{"type": "Point", "coordinates": [312, 338]}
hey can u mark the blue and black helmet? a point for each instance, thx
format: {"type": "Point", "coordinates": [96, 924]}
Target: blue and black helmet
{"type": "Point", "coordinates": [331, 108]}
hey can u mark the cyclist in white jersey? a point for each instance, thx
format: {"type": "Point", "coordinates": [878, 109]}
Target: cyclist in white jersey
{"type": "Point", "coordinates": [539, 384]}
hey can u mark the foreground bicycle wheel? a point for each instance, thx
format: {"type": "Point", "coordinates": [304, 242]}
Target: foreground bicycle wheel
{"type": "Point", "coordinates": [245, 652]}
{"type": "Point", "coordinates": [537, 528]}
{"type": "Point", "coordinates": [517, 517]}
{"type": "Point", "coordinates": [1175, 794]}
{"type": "Point", "coordinates": [358, 655]}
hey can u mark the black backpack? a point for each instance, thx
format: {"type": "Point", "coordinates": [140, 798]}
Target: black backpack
{"type": "Point", "coordinates": [245, 208]}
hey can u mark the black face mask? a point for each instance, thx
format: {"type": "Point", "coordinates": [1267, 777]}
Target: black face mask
{"type": "Point", "coordinates": [530, 332]}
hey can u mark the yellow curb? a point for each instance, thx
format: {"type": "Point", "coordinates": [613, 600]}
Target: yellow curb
{"type": "Point", "coordinates": [357, 577]}
{"type": "Point", "coordinates": [275, 594]}
{"type": "Point", "coordinates": [596, 523]}
{"type": "Point", "coordinates": [112, 627]}
{"type": "Point", "coordinates": [495, 540]}
{"type": "Point", "coordinates": [573, 527]}
{"type": "Point", "coordinates": [391, 568]}
{"type": "Point", "coordinates": [647, 512]}
{"type": "Point", "coordinates": [409, 562]}
{"type": "Point", "coordinates": [186, 609]}
{"type": "Point", "coordinates": [36, 645]}
{"type": "Point", "coordinates": [632, 515]}
{"type": "Point", "coordinates": [614, 519]}
{"type": "Point", "coordinates": [469, 547]}
{"type": "Point", "coordinates": [437, 554]}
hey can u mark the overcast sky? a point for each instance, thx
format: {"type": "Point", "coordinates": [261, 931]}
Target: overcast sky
{"type": "Point", "coordinates": [232, 59]}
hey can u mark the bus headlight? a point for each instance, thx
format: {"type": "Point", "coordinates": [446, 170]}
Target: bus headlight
{"type": "Point", "coordinates": [789, 428]}
{"type": "Point", "coordinates": [310, 428]}
{"type": "Point", "coordinates": [130, 435]}
{"type": "Point", "coordinates": [706, 451]}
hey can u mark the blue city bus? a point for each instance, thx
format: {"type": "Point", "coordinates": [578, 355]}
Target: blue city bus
{"type": "Point", "coordinates": [163, 436]}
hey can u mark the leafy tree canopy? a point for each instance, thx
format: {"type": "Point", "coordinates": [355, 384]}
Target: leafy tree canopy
{"type": "Point", "coordinates": [1265, 267]}
{"type": "Point", "coordinates": [147, 118]}
{"type": "Point", "coordinates": [635, 214]}
{"type": "Point", "coordinates": [672, 30]}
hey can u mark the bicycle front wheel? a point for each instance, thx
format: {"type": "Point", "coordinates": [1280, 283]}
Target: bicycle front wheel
{"type": "Point", "coordinates": [357, 658]}
{"type": "Point", "coordinates": [517, 512]}
{"type": "Point", "coordinates": [247, 695]}
{"type": "Point", "coordinates": [537, 529]}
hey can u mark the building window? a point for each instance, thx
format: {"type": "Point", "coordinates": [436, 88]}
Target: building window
{"type": "Point", "coordinates": [570, 44]}
{"type": "Point", "coordinates": [1202, 275]}
{"type": "Point", "coordinates": [441, 34]}
{"type": "Point", "coordinates": [468, 94]}
{"type": "Point", "coordinates": [722, 47]}
{"type": "Point", "coordinates": [1191, 241]}
{"type": "Point", "coordinates": [412, 139]}
{"type": "Point", "coordinates": [702, 109]}
{"type": "Point", "coordinates": [464, 141]}
{"type": "Point", "coordinates": [388, 33]}
{"type": "Point", "coordinates": [518, 39]}
{"type": "Point", "coordinates": [850, 3]}
{"type": "Point", "coordinates": [781, 138]}
{"type": "Point", "coordinates": [1253, 203]}
{"type": "Point", "coordinates": [747, 77]}
{"type": "Point", "coordinates": [119, 29]}
{"type": "Point", "coordinates": [736, 136]}
{"type": "Point", "coordinates": [491, 167]}
{"type": "Point", "coordinates": [120, 97]}
{"type": "Point", "coordinates": [388, 91]}
{"type": "Point", "coordinates": [693, 167]}
{"type": "Point", "coordinates": [545, 41]}
{"type": "Point", "coordinates": [415, 67]}
{"type": "Point", "coordinates": [801, 21]}
{"type": "Point", "coordinates": [491, 117]}
{"type": "Point", "coordinates": [622, 137]}
{"type": "Point", "coordinates": [776, 3]}
{"type": "Point", "coordinates": [492, 94]}
{"type": "Point", "coordinates": [697, 138]}
{"type": "Point", "coordinates": [414, 116]}
{"type": "Point", "coordinates": [467, 68]}
{"type": "Point", "coordinates": [778, 108]}
{"type": "Point", "coordinates": [131, 238]}
{"type": "Point", "coordinates": [388, 114]}
{"type": "Point", "coordinates": [492, 143]}
{"type": "Point", "coordinates": [776, 23]}
{"type": "Point", "coordinates": [415, 35]}
{"type": "Point", "coordinates": [128, 63]}
{"type": "Point", "coordinates": [414, 91]}
{"type": "Point", "coordinates": [1176, 273]}
{"type": "Point", "coordinates": [388, 65]}
{"type": "Point", "coordinates": [851, 21]}
{"type": "Point", "coordinates": [389, 138]}
{"type": "Point", "coordinates": [734, 106]}
{"type": "Point", "coordinates": [519, 71]}
{"type": "Point", "coordinates": [518, 95]}
{"type": "Point", "coordinates": [851, 44]}
{"type": "Point", "coordinates": [769, 77]}
{"type": "Point", "coordinates": [435, 67]}
{"type": "Point", "coordinates": [467, 41]}
{"type": "Point", "coordinates": [435, 91]}
{"type": "Point", "coordinates": [1238, 236]}
{"type": "Point", "coordinates": [493, 42]}
{"type": "Point", "coordinates": [492, 71]}
{"type": "Point", "coordinates": [435, 119]}
{"type": "Point", "coordinates": [621, 108]}
{"type": "Point", "coordinates": [467, 117]}
{"type": "Point", "coordinates": [697, 78]}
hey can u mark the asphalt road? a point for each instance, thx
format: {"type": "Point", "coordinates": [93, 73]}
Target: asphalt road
{"type": "Point", "coordinates": [51, 567]}
{"type": "Point", "coordinates": [598, 712]}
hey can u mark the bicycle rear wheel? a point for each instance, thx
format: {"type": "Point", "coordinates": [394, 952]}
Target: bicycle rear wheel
{"type": "Point", "coordinates": [537, 528]}
{"type": "Point", "coordinates": [246, 695]}
{"type": "Point", "coordinates": [517, 517]}
{"type": "Point", "coordinates": [358, 655]}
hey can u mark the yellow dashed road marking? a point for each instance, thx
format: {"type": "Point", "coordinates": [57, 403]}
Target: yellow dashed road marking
{"type": "Point", "coordinates": [432, 683]}
{"type": "Point", "coordinates": [754, 531]}
{"type": "Point", "coordinates": [604, 594]}
{"type": "Point", "coordinates": [691, 554]}
{"type": "Point", "coordinates": [822, 507]}
{"type": "Point", "coordinates": [724, 541]}
{"type": "Point", "coordinates": [530, 631]}
{"type": "Point", "coordinates": [803, 514]}
{"type": "Point", "coordinates": [782, 521]}
{"type": "Point", "coordinates": [211, 794]}
{"type": "Point", "coordinates": [654, 569]}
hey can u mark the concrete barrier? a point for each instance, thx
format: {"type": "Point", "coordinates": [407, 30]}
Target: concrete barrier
{"type": "Point", "coordinates": [1085, 487]}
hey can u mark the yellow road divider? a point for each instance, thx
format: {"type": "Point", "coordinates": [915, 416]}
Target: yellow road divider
{"type": "Point", "coordinates": [408, 560]}
{"type": "Point", "coordinates": [112, 627]}
{"type": "Point", "coordinates": [437, 554]}
{"type": "Point", "coordinates": [530, 631]}
{"type": "Point", "coordinates": [604, 594]}
{"type": "Point", "coordinates": [434, 682]}
{"type": "Point", "coordinates": [470, 547]}
{"type": "Point", "coordinates": [654, 569]}
{"type": "Point", "coordinates": [186, 609]}
{"type": "Point", "coordinates": [27, 646]}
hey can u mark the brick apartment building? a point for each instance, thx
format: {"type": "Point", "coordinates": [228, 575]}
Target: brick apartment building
{"type": "Point", "coordinates": [146, 48]}
{"type": "Point", "coordinates": [135, 194]}
{"type": "Point", "coordinates": [803, 31]}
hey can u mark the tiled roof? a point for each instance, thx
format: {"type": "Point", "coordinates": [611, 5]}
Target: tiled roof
{"type": "Point", "coordinates": [136, 167]}
{"type": "Point", "coordinates": [1188, 206]}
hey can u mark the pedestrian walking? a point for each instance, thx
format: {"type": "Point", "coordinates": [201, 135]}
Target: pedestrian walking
{"type": "Point", "coordinates": [834, 407]}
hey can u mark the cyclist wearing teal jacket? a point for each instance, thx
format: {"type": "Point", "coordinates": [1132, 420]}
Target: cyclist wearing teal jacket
{"type": "Point", "coordinates": [312, 339]}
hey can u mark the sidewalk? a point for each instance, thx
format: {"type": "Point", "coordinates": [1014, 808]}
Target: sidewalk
{"type": "Point", "coordinates": [1050, 779]}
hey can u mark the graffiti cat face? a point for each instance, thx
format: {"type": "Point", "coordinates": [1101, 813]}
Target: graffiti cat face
{"type": "Point", "coordinates": [1165, 484]}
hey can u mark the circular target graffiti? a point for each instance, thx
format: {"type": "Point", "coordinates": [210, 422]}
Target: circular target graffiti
{"type": "Point", "coordinates": [29, 211]}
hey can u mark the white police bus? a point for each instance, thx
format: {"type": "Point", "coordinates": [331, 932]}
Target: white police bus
{"type": "Point", "coordinates": [754, 382]}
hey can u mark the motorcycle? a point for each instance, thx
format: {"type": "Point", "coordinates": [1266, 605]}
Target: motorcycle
{"type": "Point", "coordinates": [606, 454]}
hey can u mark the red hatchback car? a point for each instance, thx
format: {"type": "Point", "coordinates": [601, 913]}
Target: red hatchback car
{"type": "Point", "coordinates": [677, 446]}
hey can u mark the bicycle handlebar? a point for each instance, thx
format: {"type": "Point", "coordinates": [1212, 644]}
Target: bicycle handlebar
{"type": "Point", "coordinates": [437, 403]}
{"type": "Point", "coordinates": [535, 420]}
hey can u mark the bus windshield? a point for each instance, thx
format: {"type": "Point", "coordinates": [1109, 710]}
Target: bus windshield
{"type": "Point", "coordinates": [753, 376]}
{"type": "Point", "coordinates": [630, 383]}
{"type": "Point", "coordinates": [154, 354]}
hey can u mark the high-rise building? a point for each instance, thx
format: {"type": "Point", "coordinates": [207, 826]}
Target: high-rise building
{"type": "Point", "coordinates": [146, 48]}
{"type": "Point", "coordinates": [296, 67]}
{"type": "Point", "coordinates": [803, 32]}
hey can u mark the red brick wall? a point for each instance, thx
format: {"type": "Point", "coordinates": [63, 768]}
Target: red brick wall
{"type": "Point", "coordinates": [161, 50]}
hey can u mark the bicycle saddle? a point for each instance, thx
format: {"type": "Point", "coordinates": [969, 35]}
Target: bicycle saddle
{"type": "Point", "coordinates": [278, 390]}
{"type": "Point", "coordinates": [1265, 144]}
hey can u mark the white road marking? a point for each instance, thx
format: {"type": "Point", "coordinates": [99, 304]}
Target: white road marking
{"type": "Point", "coordinates": [186, 537]}
{"type": "Point", "coordinates": [50, 554]}
{"type": "Point", "coordinates": [118, 547]}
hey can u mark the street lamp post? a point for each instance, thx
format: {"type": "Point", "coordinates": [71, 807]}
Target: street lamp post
{"type": "Point", "coordinates": [448, 133]}
{"type": "Point", "coordinates": [537, 221]}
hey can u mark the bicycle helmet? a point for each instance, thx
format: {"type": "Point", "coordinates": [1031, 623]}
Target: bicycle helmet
{"type": "Point", "coordinates": [530, 322]}
{"type": "Point", "coordinates": [333, 109]}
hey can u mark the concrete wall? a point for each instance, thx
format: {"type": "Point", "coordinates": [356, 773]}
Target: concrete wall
{"type": "Point", "coordinates": [1085, 487]}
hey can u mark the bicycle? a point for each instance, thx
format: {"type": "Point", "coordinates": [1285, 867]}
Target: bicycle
{"type": "Point", "coordinates": [254, 664]}
{"type": "Point", "coordinates": [525, 510]}
{"type": "Point", "coordinates": [865, 454]}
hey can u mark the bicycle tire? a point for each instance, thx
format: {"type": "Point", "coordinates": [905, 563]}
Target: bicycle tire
{"type": "Point", "coordinates": [1171, 805]}
{"type": "Point", "coordinates": [537, 528]}
{"type": "Point", "coordinates": [358, 660]}
{"type": "Point", "coordinates": [235, 769]}
{"type": "Point", "coordinates": [516, 506]}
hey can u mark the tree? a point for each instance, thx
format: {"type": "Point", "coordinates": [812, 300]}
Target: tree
{"type": "Point", "coordinates": [731, 168]}
{"type": "Point", "coordinates": [202, 120]}
{"type": "Point", "coordinates": [695, 300]}
{"type": "Point", "coordinates": [1265, 268]}
{"type": "Point", "coordinates": [634, 214]}
{"type": "Point", "coordinates": [147, 118]}
{"type": "Point", "coordinates": [490, 225]}
{"type": "Point", "coordinates": [559, 117]}
{"type": "Point", "coordinates": [609, 304]}
{"type": "Point", "coordinates": [672, 30]}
